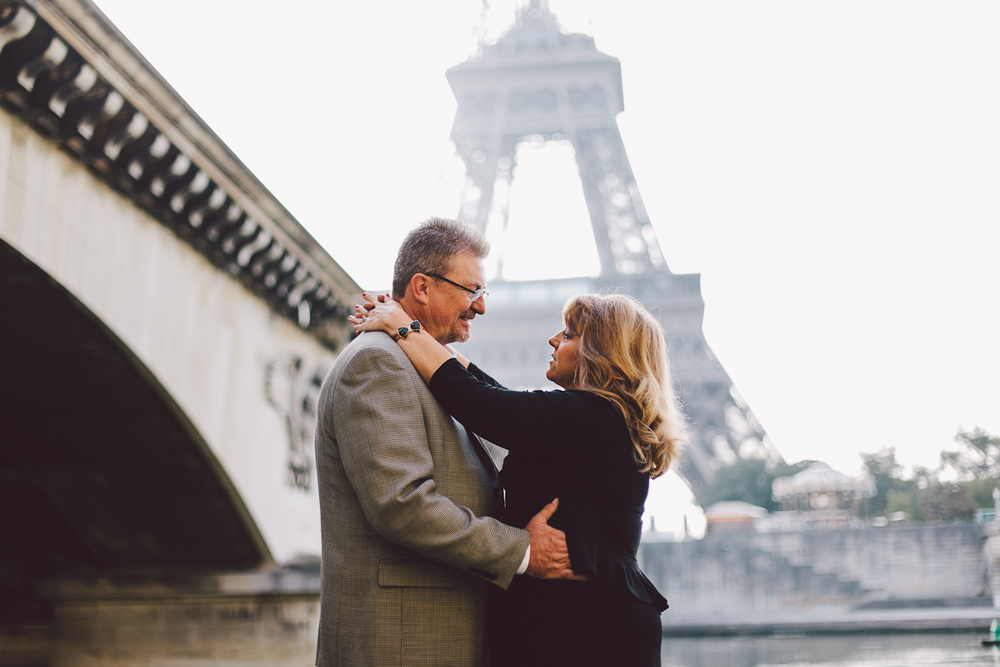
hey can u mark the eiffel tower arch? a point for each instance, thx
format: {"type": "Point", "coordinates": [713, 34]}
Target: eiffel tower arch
{"type": "Point", "coordinates": [538, 83]}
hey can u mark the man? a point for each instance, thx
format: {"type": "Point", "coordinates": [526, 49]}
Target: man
{"type": "Point", "coordinates": [408, 497]}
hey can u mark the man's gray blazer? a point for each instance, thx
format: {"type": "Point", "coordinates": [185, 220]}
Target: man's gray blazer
{"type": "Point", "coordinates": [406, 507]}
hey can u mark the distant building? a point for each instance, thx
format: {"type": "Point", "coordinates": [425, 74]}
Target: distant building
{"type": "Point", "coordinates": [820, 497]}
{"type": "Point", "coordinates": [732, 516]}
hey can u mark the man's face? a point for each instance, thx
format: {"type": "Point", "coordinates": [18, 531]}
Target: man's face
{"type": "Point", "coordinates": [451, 308]}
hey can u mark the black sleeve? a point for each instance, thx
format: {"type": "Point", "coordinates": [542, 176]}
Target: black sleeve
{"type": "Point", "coordinates": [479, 374]}
{"type": "Point", "coordinates": [510, 419]}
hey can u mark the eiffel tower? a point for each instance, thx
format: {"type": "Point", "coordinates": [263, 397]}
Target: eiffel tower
{"type": "Point", "coordinates": [539, 83]}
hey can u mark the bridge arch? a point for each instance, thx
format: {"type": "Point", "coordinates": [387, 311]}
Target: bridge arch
{"type": "Point", "coordinates": [106, 471]}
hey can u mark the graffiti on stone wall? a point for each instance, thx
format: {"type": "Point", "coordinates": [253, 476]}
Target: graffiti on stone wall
{"type": "Point", "coordinates": [292, 388]}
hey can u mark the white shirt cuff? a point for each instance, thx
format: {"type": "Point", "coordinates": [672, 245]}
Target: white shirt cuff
{"type": "Point", "coordinates": [524, 561]}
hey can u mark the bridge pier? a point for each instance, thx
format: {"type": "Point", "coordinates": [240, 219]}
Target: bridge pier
{"type": "Point", "coordinates": [267, 618]}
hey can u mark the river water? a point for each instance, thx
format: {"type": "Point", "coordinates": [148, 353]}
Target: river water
{"type": "Point", "coordinates": [862, 650]}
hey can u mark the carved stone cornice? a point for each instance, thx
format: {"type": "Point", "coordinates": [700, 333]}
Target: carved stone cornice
{"type": "Point", "coordinates": [66, 70]}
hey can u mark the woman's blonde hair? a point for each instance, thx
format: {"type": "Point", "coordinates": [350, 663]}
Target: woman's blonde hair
{"type": "Point", "coordinates": [622, 356]}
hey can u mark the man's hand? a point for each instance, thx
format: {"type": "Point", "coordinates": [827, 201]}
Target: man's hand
{"type": "Point", "coordinates": [549, 556]}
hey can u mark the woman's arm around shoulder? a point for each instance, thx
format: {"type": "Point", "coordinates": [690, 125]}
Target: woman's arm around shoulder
{"type": "Point", "coordinates": [424, 352]}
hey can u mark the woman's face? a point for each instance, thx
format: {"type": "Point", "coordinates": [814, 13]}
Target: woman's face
{"type": "Point", "coordinates": [562, 368]}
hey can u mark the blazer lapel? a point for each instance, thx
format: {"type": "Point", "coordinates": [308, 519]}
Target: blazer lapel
{"type": "Point", "coordinates": [488, 464]}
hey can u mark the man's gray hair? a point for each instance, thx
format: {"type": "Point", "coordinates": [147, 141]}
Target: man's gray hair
{"type": "Point", "coordinates": [431, 247]}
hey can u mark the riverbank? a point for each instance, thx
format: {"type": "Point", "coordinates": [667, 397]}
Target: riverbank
{"type": "Point", "coordinates": [831, 620]}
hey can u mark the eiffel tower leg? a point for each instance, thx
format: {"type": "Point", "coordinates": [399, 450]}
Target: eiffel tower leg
{"type": "Point", "coordinates": [500, 209]}
{"type": "Point", "coordinates": [477, 195]}
{"type": "Point", "coordinates": [487, 160]}
{"type": "Point", "coordinates": [625, 239]}
{"type": "Point", "coordinates": [703, 399]}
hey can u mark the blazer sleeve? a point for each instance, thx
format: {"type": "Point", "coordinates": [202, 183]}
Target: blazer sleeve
{"type": "Point", "coordinates": [383, 440]}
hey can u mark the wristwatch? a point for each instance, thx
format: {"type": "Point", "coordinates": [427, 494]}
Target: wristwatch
{"type": "Point", "coordinates": [403, 332]}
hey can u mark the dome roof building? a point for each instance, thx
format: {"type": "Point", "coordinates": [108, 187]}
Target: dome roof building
{"type": "Point", "coordinates": [823, 496]}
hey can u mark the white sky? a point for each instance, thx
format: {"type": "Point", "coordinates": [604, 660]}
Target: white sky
{"type": "Point", "coordinates": [832, 169]}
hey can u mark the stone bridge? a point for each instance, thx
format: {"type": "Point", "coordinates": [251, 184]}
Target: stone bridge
{"type": "Point", "coordinates": [166, 325]}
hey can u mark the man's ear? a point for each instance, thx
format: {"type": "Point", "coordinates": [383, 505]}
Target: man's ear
{"type": "Point", "coordinates": [419, 288]}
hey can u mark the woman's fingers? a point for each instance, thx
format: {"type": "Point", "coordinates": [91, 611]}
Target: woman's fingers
{"type": "Point", "coordinates": [375, 313]}
{"type": "Point", "coordinates": [360, 317]}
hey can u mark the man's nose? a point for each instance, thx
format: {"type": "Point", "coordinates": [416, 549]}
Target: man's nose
{"type": "Point", "coordinates": [479, 305]}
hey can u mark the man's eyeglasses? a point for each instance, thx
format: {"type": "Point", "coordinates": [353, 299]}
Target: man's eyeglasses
{"type": "Point", "coordinates": [474, 293]}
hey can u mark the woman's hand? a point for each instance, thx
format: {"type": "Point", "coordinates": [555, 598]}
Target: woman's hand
{"type": "Point", "coordinates": [379, 313]}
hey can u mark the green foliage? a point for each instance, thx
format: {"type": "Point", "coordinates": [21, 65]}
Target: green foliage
{"type": "Point", "coordinates": [883, 467]}
{"type": "Point", "coordinates": [981, 491]}
{"type": "Point", "coordinates": [945, 502]}
{"type": "Point", "coordinates": [898, 501]}
{"type": "Point", "coordinates": [924, 496]}
{"type": "Point", "coordinates": [978, 458]}
{"type": "Point", "coordinates": [749, 480]}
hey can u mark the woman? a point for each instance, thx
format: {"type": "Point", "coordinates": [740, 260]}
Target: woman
{"type": "Point", "coordinates": [594, 446]}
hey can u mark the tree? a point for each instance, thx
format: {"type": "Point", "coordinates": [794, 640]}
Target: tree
{"type": "Point", "coordinates": [981, 491]}
{"type": "Point", "coordinates": [749, 480]}
{"type": "Point", "coordinates": [976, 462]}
{"type": "Point", "coordinates": [897, 501]}
{"type": "Point", "coordinates": [945, 502]}
{"type": "Point", "coordinates": [882, 466]}
{"type": "Point", "coordinates": [979, 457]}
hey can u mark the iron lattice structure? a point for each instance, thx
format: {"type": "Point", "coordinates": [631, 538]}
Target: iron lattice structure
{"type": "Point", "coordinates": [538, 81]}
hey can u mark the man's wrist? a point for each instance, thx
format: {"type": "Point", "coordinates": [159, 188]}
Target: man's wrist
{"type": "Point", "coordinates": [524, 562]}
